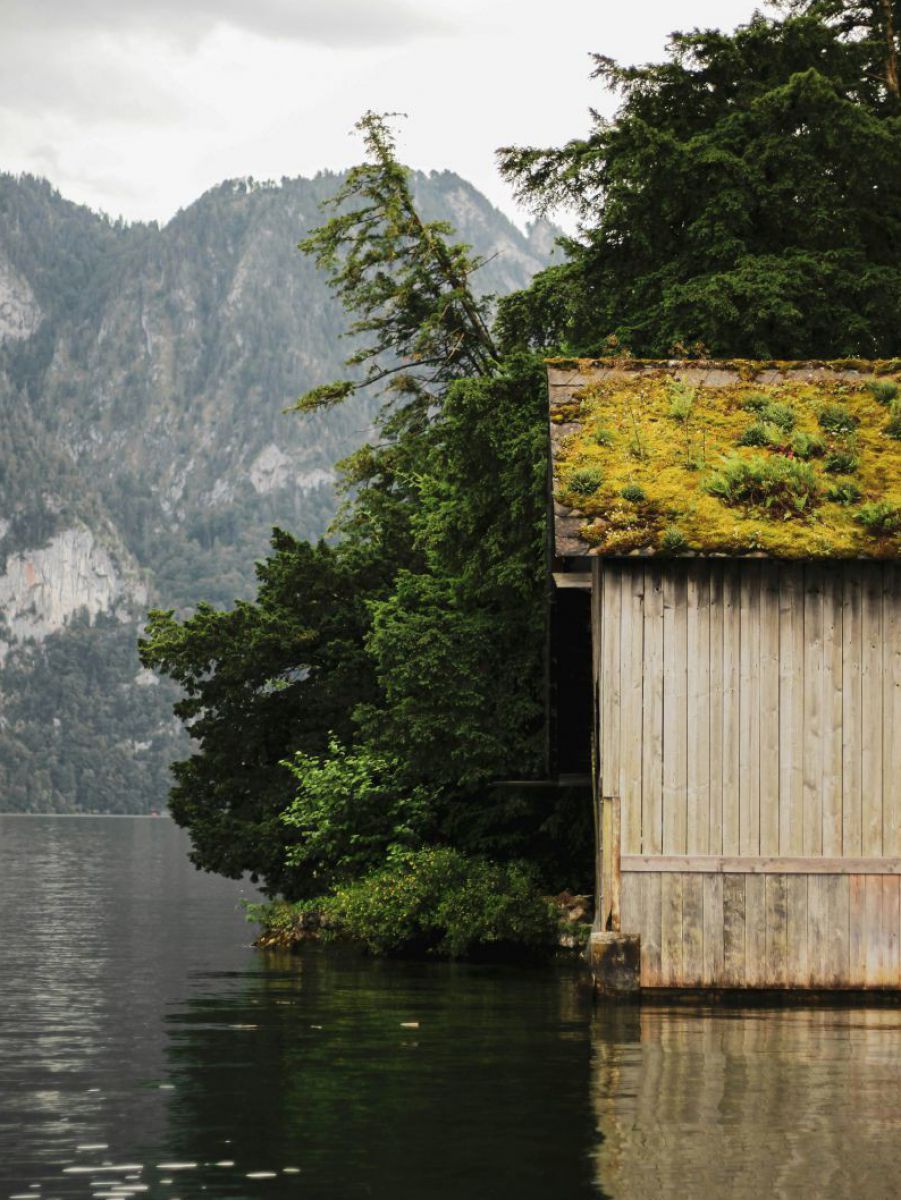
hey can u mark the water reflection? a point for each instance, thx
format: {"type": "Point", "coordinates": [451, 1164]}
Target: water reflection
{"type": "Point", "coordinates": [390, 1080]}
{"type": "Point", "coordinates": [147, 1053]}
{"type": "Point", "coordinates": [716, 1102]}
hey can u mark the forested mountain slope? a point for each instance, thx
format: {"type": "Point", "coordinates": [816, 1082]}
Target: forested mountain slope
{"type": "Point", "coordinates": [145, 454]}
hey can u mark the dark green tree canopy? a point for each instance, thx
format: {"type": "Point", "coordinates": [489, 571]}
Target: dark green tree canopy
{"type": "Point", "coordinates": [746, 198]}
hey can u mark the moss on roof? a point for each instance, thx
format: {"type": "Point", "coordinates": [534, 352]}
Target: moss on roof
{"type": "Point", "coordinates": [789, 460]}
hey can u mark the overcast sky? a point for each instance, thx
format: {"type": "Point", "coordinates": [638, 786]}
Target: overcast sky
{"type": "Point", "coordinates": [138, 106]}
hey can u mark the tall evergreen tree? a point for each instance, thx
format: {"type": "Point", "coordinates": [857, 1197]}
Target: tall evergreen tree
{"type": "Point", "coordinates": [745, 198]}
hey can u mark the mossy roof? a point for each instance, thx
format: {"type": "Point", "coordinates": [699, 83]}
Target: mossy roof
{"type": "Point", "coordinates": [780, 459]}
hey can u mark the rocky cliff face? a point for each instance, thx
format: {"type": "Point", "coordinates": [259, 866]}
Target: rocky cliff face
{"type": "Point", "coordinates": [144, 449]}
{"type": "Point", "coordinates": [41, 590]}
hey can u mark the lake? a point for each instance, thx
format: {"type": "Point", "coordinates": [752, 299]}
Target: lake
{"type": "Point", "coordinates": [147, 1051]}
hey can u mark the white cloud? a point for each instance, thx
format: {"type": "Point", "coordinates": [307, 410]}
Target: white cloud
{"type": "Point", "coordinates": [136, 108]}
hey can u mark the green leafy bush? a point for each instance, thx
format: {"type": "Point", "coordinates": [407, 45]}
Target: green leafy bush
{"type": "Point", "coordinates": [881, 518]}
{"type": "Point", "coordinates": [634, 494]}
{"type": "Point", "coordinates": [673, 541]}
{"type": "Point", "coordinates": [893, 425]}
{"type": "Point", "coordinates": [681, 400]}
{"type": "Point", "coordinates": [780, 415]}
{"type": "Point", "coordinates": [438, 900]}
{"type": "Point", "coordinates": [780, 486]}
{"type": "Point", "coordinates": [350, 809]}
{"type": "Point", "coordinates": [759, 434]}
{"type": "Point", "coordinates": [841, 462]}
{"type": "Point", "coordinates": [844, 493]}
{"type": "Point", "coordinates": [586, 481]}
{"type": "Point", "coordinates": [837, 419]}
{"type": "Point", "coordinates": [885, 391]}
{"type": "Point", "coordinates": [806, 445]}
{"type": "Point", "coordinates": [755, 402]}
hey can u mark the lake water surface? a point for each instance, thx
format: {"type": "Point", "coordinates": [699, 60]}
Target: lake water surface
{"type": "Point", "coordinates": [147, 1051]}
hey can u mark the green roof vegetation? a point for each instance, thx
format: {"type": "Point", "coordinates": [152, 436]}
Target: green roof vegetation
{"type": "Point", "coordinates": [787, 460]}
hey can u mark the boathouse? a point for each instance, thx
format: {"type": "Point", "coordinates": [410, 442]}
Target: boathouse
{"type": "Point", "coordinates": [733, 530]}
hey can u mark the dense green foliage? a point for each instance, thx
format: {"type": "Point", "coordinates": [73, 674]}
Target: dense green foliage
{"type": "Point", "coordinates": [437, 588]}
{"type": "Point", "coordinates": [434, 900]}
{"type": "Point", "coordinates": [83, 729]}
{"type": "Point", "coordinates": [147, 406]}
{"type": "Point", "coordinates": [440, 900]}
{"type": "Point", "coordinates": [746, 199]}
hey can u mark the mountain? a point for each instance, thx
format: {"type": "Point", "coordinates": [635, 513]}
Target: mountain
{"type": "Point", "coordinates": [145, 453]}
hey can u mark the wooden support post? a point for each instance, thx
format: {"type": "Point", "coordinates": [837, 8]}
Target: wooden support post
{"type": "Point", "coordinates": [611, 873]}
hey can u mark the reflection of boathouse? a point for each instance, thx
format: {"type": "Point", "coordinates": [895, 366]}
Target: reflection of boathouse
{"type": "Point", "coordinates": [736, 530]}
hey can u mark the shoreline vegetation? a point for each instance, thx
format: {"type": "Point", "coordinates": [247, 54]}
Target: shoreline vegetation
{"type": "Point", "coordinates": [375, 736]}
{"type": "Point", "coordinates": [562, 926]}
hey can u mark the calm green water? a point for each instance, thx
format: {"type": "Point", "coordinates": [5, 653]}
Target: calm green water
{"type": "Point", "coordinates": [147, 1051]}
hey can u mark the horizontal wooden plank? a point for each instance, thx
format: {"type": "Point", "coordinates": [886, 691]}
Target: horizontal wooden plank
{"type": "Point", "coordinates": [719, 864]}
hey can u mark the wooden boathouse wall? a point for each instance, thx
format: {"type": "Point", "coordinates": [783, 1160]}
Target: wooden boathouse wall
{"type": "Point", "coordinates": [748, 741]}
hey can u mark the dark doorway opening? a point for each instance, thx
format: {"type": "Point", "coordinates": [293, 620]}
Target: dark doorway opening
{"type": "Point", "coordinates": [571, 683]}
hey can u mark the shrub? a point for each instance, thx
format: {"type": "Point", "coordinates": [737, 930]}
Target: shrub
{"type": "Point", "coordinates": [893, 425]}
{"type": "Point", "coordinates": [806, 445]}
{"type": "Point", "coordinates": [780, 415]}
{"type": "Point", "coordinates": [673, 541]}
{"type": "Point", "coordinates": [840, 462]}
{"type": "Point", "coordinates": [759, 434]}
{"type": "Point", "coordinates": [681, 400]}
{"type": "Point", "coordinates": [755, 402]}
{"type": "Point", "coordinates": [780, 486]}
{"type": "Point", "coordinates": [586, 481]}
{"type": "Point", "coordinates": [844, 493]}
{"type": "Point", "coordinates": [442, 902]}
{"type": "Point", "coordinates": [633, 493]}
{"type": "Point", "coordinates": [885, 391]}
{"type": "Point", "coordinates": [602, 436]}
{"type": "Point", "coordinates": [881, 518]}
{"type": "Point", "coordinates": [350, 808]}
{"type": "Point", "coordinates": [837, 419]}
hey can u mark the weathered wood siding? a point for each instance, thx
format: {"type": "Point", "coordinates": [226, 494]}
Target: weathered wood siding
{"type": "Point", "coordinates": [750, 712]}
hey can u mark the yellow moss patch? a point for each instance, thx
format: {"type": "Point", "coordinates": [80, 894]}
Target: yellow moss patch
{"type": "Point", "coordinates": [649, 442]}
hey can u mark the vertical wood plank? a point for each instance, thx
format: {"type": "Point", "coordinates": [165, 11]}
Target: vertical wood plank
{"type": "Point", "coordinates": [818, 930]}
{"type": "Point", "coordinates": [713, 930]}
{"type": "Point", "coordinates": [675, 721]}
{"type": "Point", "coordinates": [734, 930]}
{"type": "Point", "coordinates": [873, 929]}
{"type": "Point", "coordinates": [698, 711]}
{"type": "Point", "coordinates": [832, 714]}
{"type": "Point", "coordinates": [777, 953]}
{"type": "Point", "coordinates": [891, 923]}
{"type": "Point", "coordinates": [871, 711]}
{"type": "Point", "coordinates": [891, 709]}
{"type": "Point", "coordinates": [755, 930]}
{"type": "Point", "coordinates": [652, 724]}
{"type": "Point", "coordinates": [611, 584]}
{"type": "Point", "coordinates": [630, 902]}
{"type": "Point", "coordinates": [715, 821]}
{"type": "Point", "coordinates": [631, 696]}
{"type": "Point", "coordinates": [837, 966]}
{"type": "Point", "coordinates": [769, 711]}
{"type": "Point", "coordinates": [813, 710]}
{"type": "Point", "coordinates": [749, 711]}
{"type": "Point", "coordinates": [796, 913]}
{"type": "Point", "coordinates": [852, 709]}
{"type": "Point", "coordinates": [791, 709]}
{"type": "Point", "coordinates": [857, 952]}
{"type": "Point", "coordinates": [671, 930]}
{"type": "Point", "coordinates": [597, 639]}
{"type": "Point", "coordinates": [651, 972]}
{"type": "Point", "coordinates": [692, 930]}
{"type": "Point", "coordinates": [731, 663]}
